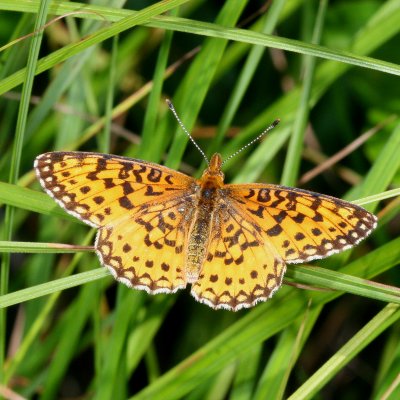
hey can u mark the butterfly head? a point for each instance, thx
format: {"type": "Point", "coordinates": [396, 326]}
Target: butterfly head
{"type": "Point", "coordinates": [213, 172]}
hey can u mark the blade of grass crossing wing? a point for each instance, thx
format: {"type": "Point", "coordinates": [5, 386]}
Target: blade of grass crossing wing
{"type": "Point", "coordinates": [31, 200]}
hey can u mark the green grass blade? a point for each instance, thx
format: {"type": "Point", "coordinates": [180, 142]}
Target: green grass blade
{"type": "Point", "coordinates": [16, 161]}
{"type": "Point", "coordinates": [27, 247]}
{"type": "Point", "coordinates": [31, 200]}
{"type": "Point", "coordinates": [102, 34]}
{"type": "Point", "coordinates": [325, 278]}
{"type": "Point", "coordinates": [384, 319]}
{"type": "Point", "coordinates": [52, 287]}
{"type": "Point", "coordinates": [247, 73]}
{"type": "Point", "coordinates": [294, 152]}
{"type": "Point", "coordinates": [198, 79]}
{"type": "Point", "coordinates": [383, 170]}
{"type": "Point", "coordinates": [274, 378]}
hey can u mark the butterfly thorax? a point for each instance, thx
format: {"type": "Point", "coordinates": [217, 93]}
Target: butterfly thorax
{"type": "Point", "coordinates": [207, 198]}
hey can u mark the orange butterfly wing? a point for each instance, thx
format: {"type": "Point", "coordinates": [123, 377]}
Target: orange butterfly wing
{"type": "Point", "coordinates": [242, 268]}
{"type": "Point", "coordinates": [258, 228]}
{"type": "Point", "coordinates": [300, 224]}
{"type": "Point", "coordinates": [141, 209]}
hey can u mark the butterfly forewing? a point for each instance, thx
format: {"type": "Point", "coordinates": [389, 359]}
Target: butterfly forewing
{"type": "Point", "coordinates": [100, 188]}
{"type": "Point", "coordinates": [300, 224]}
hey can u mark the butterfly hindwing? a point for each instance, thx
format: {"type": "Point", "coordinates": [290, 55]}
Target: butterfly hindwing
{"type": "Point", "coordinates": [147, 250]}
{"type": "Point", "coordinates": [241, 268]}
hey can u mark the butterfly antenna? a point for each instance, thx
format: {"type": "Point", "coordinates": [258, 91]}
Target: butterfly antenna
{"type": "Point", "coordinates": [272, 126]}
{"type": "Point", "coordinates": [171, 107]}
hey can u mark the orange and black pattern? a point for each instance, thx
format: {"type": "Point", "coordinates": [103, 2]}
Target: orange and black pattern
{"type": "Point", "coordinates": [159, 230]}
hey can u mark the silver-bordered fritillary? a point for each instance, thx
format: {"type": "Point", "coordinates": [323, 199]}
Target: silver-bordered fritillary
{"type": "Point", "coordinates": [159, 229]}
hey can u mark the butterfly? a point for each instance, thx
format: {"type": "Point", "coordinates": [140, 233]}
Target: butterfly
{"type": "Point", "coordinates": [160, 230]}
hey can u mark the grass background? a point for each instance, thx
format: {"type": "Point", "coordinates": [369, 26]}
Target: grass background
{"type": "Point", "coordinates": [96, 80]}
